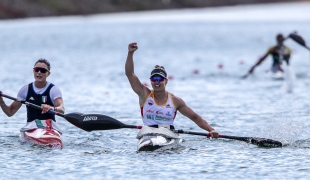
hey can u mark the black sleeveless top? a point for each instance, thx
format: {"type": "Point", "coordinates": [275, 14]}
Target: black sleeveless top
{"type": "Point", "coordinates": [39, 99]}
{"type": "Point", "coordinates": [276, 55]}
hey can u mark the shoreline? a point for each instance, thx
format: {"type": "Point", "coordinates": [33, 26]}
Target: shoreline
{"type": "Point", "coordinates": [16, 9]}
{"type": "Point", "coordinates": [272, 12]}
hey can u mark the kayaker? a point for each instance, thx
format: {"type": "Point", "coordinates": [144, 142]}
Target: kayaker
{"type": "Point", "coordinates": [42, 93]}
{"type": "Point", "coordinates": [158, 106]}
{"type": "Point", "coordinates": [279, 53]}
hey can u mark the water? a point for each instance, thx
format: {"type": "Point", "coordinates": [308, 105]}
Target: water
{"type": "Point", "coordinates": [87, 55]}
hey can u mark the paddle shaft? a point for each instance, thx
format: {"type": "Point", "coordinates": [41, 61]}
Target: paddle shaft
{"type": "Point", "coordinates": [181, 131]}
{"type": "Point", "coordinates": [262, 142]}
{"type": "Point", "coordinates": [132, 126]}
{"type": "Point", "coordinates": [31, 105]}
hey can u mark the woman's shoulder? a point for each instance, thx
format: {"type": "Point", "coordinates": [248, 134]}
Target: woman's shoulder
{"type": "Point", "coordinates": [176, 99]}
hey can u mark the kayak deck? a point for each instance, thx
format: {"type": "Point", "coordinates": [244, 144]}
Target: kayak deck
{"type": "Point", "coordinates": [46, 137]}
{"type": "Point", "coordinates": [158, 143]}
{"type": "Point", "coordinates": [157, 139]}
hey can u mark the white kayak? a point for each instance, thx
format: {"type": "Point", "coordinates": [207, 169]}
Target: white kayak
{"type": "Point", "coordinates": [278, 75]}
{"type": "Point", "coordinates": [42, 136]}
{"type": "Point", "coordinates": [157, 139]}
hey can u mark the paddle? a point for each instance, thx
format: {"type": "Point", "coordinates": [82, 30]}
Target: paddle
{"type": "Point", "coordinates": [297, 38]}
{"type": "Point", "coordinates": [92, 122]}
{"type": "Point", "coordinates": [87, 122]}
{"type": "Point", "coordinates": [262, 142]}
{"type": "Point", "coordinates": [245, 76]}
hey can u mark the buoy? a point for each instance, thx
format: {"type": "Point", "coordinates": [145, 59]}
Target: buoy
{"type": "Point", "coordinates": [220, 66]}
{"type": "Point", "coordinates": [170, 77]}
{"type": "Point", "coordinates": [195, 71]}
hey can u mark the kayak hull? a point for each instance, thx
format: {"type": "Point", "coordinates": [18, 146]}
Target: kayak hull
{"type": "Point", "coordinates": [45, 137]}
{"type": "Point", "coordinates": [158, 143]}
{"type": "Point", "coordinates": [157, 139]}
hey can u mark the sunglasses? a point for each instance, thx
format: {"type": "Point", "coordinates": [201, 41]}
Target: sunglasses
{"type": "Point", "coordinates": [157, 78]}
{"type": "Point", "coordinates": [42, 70]}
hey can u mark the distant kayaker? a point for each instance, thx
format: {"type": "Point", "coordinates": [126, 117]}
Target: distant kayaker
{"type": "Point", "coordinates": [279, 53]}
{"type": "Point", "coordinates": [158, 106]}
{"type": "Point", "coordinates": [42, 93]}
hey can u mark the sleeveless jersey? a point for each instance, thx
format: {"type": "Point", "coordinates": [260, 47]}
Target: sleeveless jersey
{"type": "Point", "coordinates": [154, 114]}
{"type": "Point", "coordinates": [38, 99]}
{"type": "Point", "coordinates": [276, 56]}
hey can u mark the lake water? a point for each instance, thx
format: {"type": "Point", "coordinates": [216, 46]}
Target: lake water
{"type": "Point", "coordinates": [205, 52]}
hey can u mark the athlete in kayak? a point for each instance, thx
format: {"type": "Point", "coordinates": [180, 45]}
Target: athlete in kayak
{"type": "Point", "coordinates": [158, 106]}
{"type": "Point", "coordinates": [41, 93]}
{"type": "Point", "coordinates": [279, 53]}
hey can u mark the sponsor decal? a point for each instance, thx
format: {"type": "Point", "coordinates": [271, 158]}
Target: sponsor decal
{"type": "Point", "coordinates": [150, 102]}
{"type": "Point", "coordinates": [44, 99]}
{"type": "Point", "coordinates": [168, 106]}
{"type": "Point", "coordinates": [163, 74]}
{"type": "Point", "coordinates": [160, 118]}
{"type": "Point", "coordinates": [168, 113]}
{"type": "Point", "coordinates": [158, 112]}
{"type": "Point", "coordinates": [90, 118]}
{"type": "Point", "coordinates": [149, 116]}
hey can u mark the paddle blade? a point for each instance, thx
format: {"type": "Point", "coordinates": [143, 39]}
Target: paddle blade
{"type": "Point", "coordinates": [93, 122]}
{"type": "Point", "coordinates": [298, 39]}
{"type": "Point", "coordinates": [262, 142]}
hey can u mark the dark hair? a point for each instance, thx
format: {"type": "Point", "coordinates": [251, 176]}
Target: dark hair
{"type": "Point", "coordinates": [279, 36]}
{"type": "Point", "coordinates": [45, 62]}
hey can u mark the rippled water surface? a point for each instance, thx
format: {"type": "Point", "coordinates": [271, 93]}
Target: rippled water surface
{"type": "Point", "coordinates": [205, 52]}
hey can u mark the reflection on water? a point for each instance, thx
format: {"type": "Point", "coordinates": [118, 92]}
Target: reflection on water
{"type": "Point", "coordinates": [205, 59]}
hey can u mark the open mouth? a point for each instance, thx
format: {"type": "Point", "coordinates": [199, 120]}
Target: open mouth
{"type": "Point", "coordinates": [39, 77]}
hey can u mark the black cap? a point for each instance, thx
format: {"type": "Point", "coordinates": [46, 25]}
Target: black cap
{"type": "Point", "coordinates": [160, 72]}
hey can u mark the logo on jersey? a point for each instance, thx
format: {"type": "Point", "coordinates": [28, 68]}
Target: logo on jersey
{"type": "Point", "coordinates": [44, 99]}
{"type": "Point", "coordinates": [158, 112]}
{"type": "Point", "coordinates": [31, 98]}
{"type": "Point", "coordinates": [161, 118]}
{"type": "Point", "coordinates": [149, 116]}
{"type": "Point", "coordinates": [168, 106]}
{"type": "Point", "coordinates": [168, 114]}
{"type": "Point", "coordinates": [150, 111]}
{"type": "Point", "coordinates": [150, 102]}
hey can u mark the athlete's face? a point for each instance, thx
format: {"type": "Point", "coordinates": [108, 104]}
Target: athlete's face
{"type": "Point", "coordinates": [280, 39]}
{"type": "Point", "coordinates": [158, 83]}
{"type": "Point", "coordinates": [40, 72]}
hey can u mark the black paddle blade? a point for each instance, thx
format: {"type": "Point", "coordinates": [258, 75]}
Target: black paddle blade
{"type": "Point", "coordinates": [93, 122]}
{"type": "Point", "coordinates": [298, 39]}
{"type": "Point", "coordinates": [262, 142]}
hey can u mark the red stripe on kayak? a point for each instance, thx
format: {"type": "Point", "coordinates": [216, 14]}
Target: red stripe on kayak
{"type": "Point", "coordinates": [48, 123]}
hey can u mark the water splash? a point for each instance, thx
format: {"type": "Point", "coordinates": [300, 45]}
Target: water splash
{"type": "Point", "coordinates": [285, 130]}
{"type": "Point", "coordinates": [289, 79]}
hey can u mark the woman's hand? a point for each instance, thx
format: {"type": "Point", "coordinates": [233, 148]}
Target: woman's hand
{"type": "Point", "coordinates": [214, 134]}
{"type": "Point", "coordinates": [46, 108]}
{"type": "Point", "coordinates": [132, 47]}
